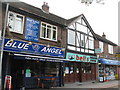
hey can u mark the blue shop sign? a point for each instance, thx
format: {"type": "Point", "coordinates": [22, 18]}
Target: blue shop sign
{"type": "Point", "coordinates": [109, 62]}
{"type": "Point", "coordinates": [37, 49]}
{"type": "Point", "coordinates": [32, 29]}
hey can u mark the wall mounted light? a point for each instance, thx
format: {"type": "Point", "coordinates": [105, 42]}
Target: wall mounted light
{"type": "Point", "coordinates": [11, 40]}
{"type": "Point", "coordinates": [48, 45]}
{"type": "Point", "coordinates": [30, 43]}
{"type": "Point", "coordinates": [63, 49]}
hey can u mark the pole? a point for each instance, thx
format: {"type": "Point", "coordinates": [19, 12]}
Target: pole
{"type": "Point", "coordinates": [2, 46]}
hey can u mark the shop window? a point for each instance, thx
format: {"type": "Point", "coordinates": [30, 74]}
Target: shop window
{"type": "Point", "coordinates": [15, 22]}
{"type": "Point", "coordinates": [77, 69]}
{"type": "Point", "coordinates": [48, 31]}
{"type": "Point", "coordinates": [83, 67]}
{"type": "Point", "coordinates": [41, 69]}
{"type": "Point", "coordinates": [67, 68]}
{"type": "Point", "coordinates": [101, 69]}
{"type": "Point", "coordinates": [86, 68]}
{"type": "Point", "coordinates": [71, 68]}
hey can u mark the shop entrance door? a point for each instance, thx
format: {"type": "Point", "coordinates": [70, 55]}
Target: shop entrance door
{"type": "Point", "coordinates": [17, 73]}
{"type": "Point", "coordinates": [77, 72]}
{"type": "Point", "coordinates": [93, 69]}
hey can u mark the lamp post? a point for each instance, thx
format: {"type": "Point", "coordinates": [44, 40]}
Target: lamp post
{"type": "Point", "coordinates": [2, 44]}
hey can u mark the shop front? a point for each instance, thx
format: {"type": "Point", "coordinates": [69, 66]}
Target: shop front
{"type": "Point", "coordinates": [108, 68]}
{"type": "Point", "coordinates": [80, 68]}
{"type": "Point", "coordinates": [33, 66]}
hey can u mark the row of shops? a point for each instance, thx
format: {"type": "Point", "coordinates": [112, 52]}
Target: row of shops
{"type": "Point", "coordinates": [42, 50]}
{"type": "Point", "coordinates": [47, 66]}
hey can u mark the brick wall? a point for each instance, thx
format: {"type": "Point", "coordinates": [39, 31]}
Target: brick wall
{"type": "Point", "coordinates": [105, 53]}
{"type": "Point", "coordinates": [61, 32]}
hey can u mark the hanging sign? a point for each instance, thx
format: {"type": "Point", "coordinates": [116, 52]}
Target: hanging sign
{"type": "Point", "coordinates": [32, 29]}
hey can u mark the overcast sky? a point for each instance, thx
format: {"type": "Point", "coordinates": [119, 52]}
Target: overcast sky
{"type": "Point", "coordinates": [102, 18]}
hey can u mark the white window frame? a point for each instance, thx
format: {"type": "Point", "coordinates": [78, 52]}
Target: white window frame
{"type": "Point", "coordinates": [14, 22]}
{"type": "Point", "coordinates": [110, 49]}
{"type": "Point", "coordinates": [91, 43]}
{"type": "Point", "coordinates": [46, 31]}
{"type": "Point", "coordinates": [101, 46]}
{"type": "Point", "coordinates": [69, 37]}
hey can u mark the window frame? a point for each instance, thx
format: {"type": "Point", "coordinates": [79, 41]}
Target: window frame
{"type": "Point", "coordinates": [101, 44]}
{"type": "Point", "coordinates": [110, 49]}
{"type": "Point", "coordinates": [14, 25]}
{"type": "Point", "coordinates": [77, 46]}
{"type": "Point", "coordinates": [52, 30]}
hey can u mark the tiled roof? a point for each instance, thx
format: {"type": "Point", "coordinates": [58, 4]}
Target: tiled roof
{"type": "Point", "coordinates": [100, 38]}
{"type": "Point", "coordinates": [37, 11]}
{"type": "Point", "coordinates": [54, 18]}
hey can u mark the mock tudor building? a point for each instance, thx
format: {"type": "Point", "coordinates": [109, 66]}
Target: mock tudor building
{"type": "Point", "coordinates": [80, 51]}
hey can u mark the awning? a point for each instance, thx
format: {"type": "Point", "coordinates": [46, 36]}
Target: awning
{"type": "Point", "coordinates": [109, 62]}
{"type": "Point", "coordinates": [39, 58]}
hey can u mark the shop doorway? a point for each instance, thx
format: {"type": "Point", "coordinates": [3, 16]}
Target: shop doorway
{"type": "Point", "coordinates": [72, 72]}
{"type": "Point", "coordinates": [77, 72]}
{"type": "Point", "coordinates": [17, 73]}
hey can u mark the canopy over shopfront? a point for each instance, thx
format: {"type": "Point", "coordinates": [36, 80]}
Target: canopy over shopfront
{"type": "Point", "coordinates": [39, 58]}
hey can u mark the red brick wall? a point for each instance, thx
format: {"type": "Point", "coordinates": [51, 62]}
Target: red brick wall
{"type": "Point", "coordinates": [105, 53]}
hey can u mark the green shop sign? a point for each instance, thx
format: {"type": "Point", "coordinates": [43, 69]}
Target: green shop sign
{"type": "Point", "coordinates": [81, 58]}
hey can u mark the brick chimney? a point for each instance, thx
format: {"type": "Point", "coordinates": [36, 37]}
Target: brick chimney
{"type": "Point", "coordinates": [104, 36]}
{"type": "Point", "coordinates": [45, 7]}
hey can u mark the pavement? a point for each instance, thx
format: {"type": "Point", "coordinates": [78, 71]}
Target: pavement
{"type": "Point", "coordinates": [91, 85]}
{"type": "Point", "coordinates": [94, 84]}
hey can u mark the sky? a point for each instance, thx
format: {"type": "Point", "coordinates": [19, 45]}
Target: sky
{"type": "Point", "coordinates": [102, 18]}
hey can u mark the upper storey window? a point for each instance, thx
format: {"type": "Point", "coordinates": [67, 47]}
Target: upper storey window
{"type": "Point", "coordinates": [15, 22]}
{"type": "Point", "coordinates": [110, 49]}
{"type": "Point", "coordinates": [48, 31]}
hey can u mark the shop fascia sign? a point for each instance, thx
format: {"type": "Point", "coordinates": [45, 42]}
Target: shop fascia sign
{"type": "Point", "coordinates": [81, 58]}
{"type": "Point", "coordinates": [110, 62]}
{"type": "Point", "coordinates": [98, 50]}
{"type": "Point", "coordinates": [37, 49]}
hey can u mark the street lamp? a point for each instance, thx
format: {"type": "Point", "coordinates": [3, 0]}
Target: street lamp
{"type": "Point", "coordinates": [2, 43]}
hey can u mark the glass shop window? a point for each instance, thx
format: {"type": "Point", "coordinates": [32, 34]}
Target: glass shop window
{"type": "Point", "coordinates": [71, 68]}
{"type": "Point", "coordinates": [67, 68]}
{"type": "Point", "coordinates": [77, 69]}
{"type": "Point", "coordinates": [83, 68]}
{"type": "Point", "coordinates": [88, 68]}
{"type": "Point", "coordinates": [40, 69]}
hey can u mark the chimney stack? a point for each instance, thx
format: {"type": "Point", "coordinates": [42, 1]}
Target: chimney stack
{"type": "Point", "coordinates": [45, 7]}
{"type": "Point", "coordinates": [104, 36]}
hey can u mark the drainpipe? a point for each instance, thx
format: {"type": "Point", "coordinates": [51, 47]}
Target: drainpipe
{"type": "Point", "coordinates": [2, 46]}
